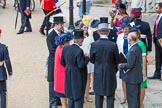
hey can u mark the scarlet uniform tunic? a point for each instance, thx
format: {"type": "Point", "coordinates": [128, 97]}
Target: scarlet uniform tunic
{"type": "Point", "coordinates": [47, 4]}
{"type": "Point", "coordinates": [113, 1]}
{"type": "Point", "coordinates": [59, 71]}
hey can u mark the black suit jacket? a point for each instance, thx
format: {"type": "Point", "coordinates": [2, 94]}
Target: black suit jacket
{"type": "Point", "coordinates": [112, 36]}
{"type": "Point", "coordinates": [4, 57]}
{"type": "Point", "coordinates": [159, 29]}
{"type": "Point", "coordinates": [104, 54]}
{"type": "Point", "coordinates": [133, 66]}
{"type": "Point", "coordinates": [76, 71]}
{"type": "Point", "coordinates": [51, 48]}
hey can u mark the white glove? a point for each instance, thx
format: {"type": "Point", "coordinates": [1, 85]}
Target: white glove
{"type": "Point", "coordinates": [144, 78]}
{"type": "Point", "coordinates": [10, 77]}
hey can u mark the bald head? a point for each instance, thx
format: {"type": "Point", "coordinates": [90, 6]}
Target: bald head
{"type": "Point", "coordinates": [132, 37]}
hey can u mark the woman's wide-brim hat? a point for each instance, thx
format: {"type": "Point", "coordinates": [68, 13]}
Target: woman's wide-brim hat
{"type": "Point", "coordinates": [86, 20]}
{"type": "Point", "coordinates": [65, 37]}
{"type": "Point", "coordinates": [123, 25]}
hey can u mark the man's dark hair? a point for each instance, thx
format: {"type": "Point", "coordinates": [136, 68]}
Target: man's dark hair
{"type": "Point", "coordinates": [122, 6]}
{"type": "Point", "coordinates": [160, 4]}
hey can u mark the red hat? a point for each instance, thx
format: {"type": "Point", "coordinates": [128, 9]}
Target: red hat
{"type": "Point", "coordinates": [136, 11]}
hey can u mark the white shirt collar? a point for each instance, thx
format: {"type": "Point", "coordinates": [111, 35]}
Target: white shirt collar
{"type": "Point", "coordinates": [160, 15]}
{"type": "Point", "coordinates": [76, 44]}
{"type": "Point", "coordinates": [104, 36]}
{"type": "Point", "coordinates": [57, 31]}
{"type": "Point", "coordinates": [132, 45]}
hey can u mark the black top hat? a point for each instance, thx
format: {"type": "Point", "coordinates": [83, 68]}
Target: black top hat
{"type": "Point", "coordinates": [104, 20]}
{"type": "Point", "coordinates": [78, 34]}
{"type": "Point", "coordinates": [58, 19]}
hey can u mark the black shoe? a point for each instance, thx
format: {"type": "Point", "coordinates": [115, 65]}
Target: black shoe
{"type": "Point", "coordinates": [154, 77]}
{"type": "Point", "coordinates": [28, 31]}
{"type": "Point", "coordinates": [20, 32]}
{"type": "Point", "coordinates": [42, 32]}
{"type": "Point", "coordinates": [58, 103]}
{"type": "Point", "coordinates": [3, 7]}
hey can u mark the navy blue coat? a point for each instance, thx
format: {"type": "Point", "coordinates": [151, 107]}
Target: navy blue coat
{"type": "Point", "coordinates": [76, 71]}
{"type": "Point", "coordinates": [145, 30]}
{"type": "Point", "coordinates": [24, 4]}
{"type": "Point", "coordinates": [4, 57]}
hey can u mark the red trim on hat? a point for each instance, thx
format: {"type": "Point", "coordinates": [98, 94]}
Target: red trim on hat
{"type": "Point", "coordinates": [132, 10]}
{"type": "Point", "coordinates": [0, 31]}
{"type": "Point", "coordinates": [135, 14]}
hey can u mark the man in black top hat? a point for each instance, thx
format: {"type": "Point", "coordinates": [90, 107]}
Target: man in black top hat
{"type": "Point", "coordinates": [75, 62]}
{"type": "Point", "coordinates": [24, 6]}
{"type": "Point", "coordinates": [57, 31]}
{"type": "Point", "coordinates": [112, 34]}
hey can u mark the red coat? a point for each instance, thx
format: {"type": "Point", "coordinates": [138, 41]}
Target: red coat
{"type": "Point", "coordinates": [59, 71]}
{"type": "Point", "coordinates": [47, 4]}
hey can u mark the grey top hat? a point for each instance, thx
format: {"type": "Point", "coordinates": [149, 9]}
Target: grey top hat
{"type": "Point", "coordinates": [103, 26]}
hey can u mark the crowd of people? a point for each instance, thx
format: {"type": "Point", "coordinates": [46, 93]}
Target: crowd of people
{"type": "Point", "coordinates": [89, 60]}
{"type": "Point", "coordinates": [101, 54]}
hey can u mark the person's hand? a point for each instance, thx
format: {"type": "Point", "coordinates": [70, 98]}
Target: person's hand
{"type": "Point", "coordinates": [119, 66]}
{"type": "Point", "coordinates": [144, 78]}
{"type": "Point", "coordinates": [148, 52]}
{"type": "Point", "coordinates": [10, 77]}
{"type": "Point", "coordinates": [112, 15]}
{"type": "Point", "coordinates": [77, 4]}
{"type": "Point", "coordinates": [87, 55]}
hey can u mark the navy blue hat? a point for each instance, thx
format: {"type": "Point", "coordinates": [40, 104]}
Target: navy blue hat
{"type": "Point", "coordinates": [126, 19]}
{"type": "Point", "coordinates": [77, 22]}
{"type": "Point", "coordinates": [57, 10]}
{"type": "Point", "coordinates": [134, 28]}
{"type": "Point", "coordinates": [65, 37]}
{"type": "Point", "coordinates": [104, 20]}
{"type": "Point", "coordinates": [95, 23]}
{"type": "Point", "coordinates": [136, 10]}
{"type": "Point", "coordinates": [58, 19]}
{"type": "Point", "coordinates": [123, 25]}
{"type": "Point", "coordinates": [78, 34]}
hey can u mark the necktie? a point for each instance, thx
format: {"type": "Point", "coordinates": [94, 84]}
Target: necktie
{"type": "Point", "coordinates": [156, 25]}
{"type": "Point", "coordinates": [125, 46]}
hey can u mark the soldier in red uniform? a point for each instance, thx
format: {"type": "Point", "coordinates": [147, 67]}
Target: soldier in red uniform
{"type": "Point", "coordinates": [47, 6]}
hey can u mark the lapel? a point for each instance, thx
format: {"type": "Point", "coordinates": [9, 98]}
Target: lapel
{"type": "Point", "coordinates": [160, 21]}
